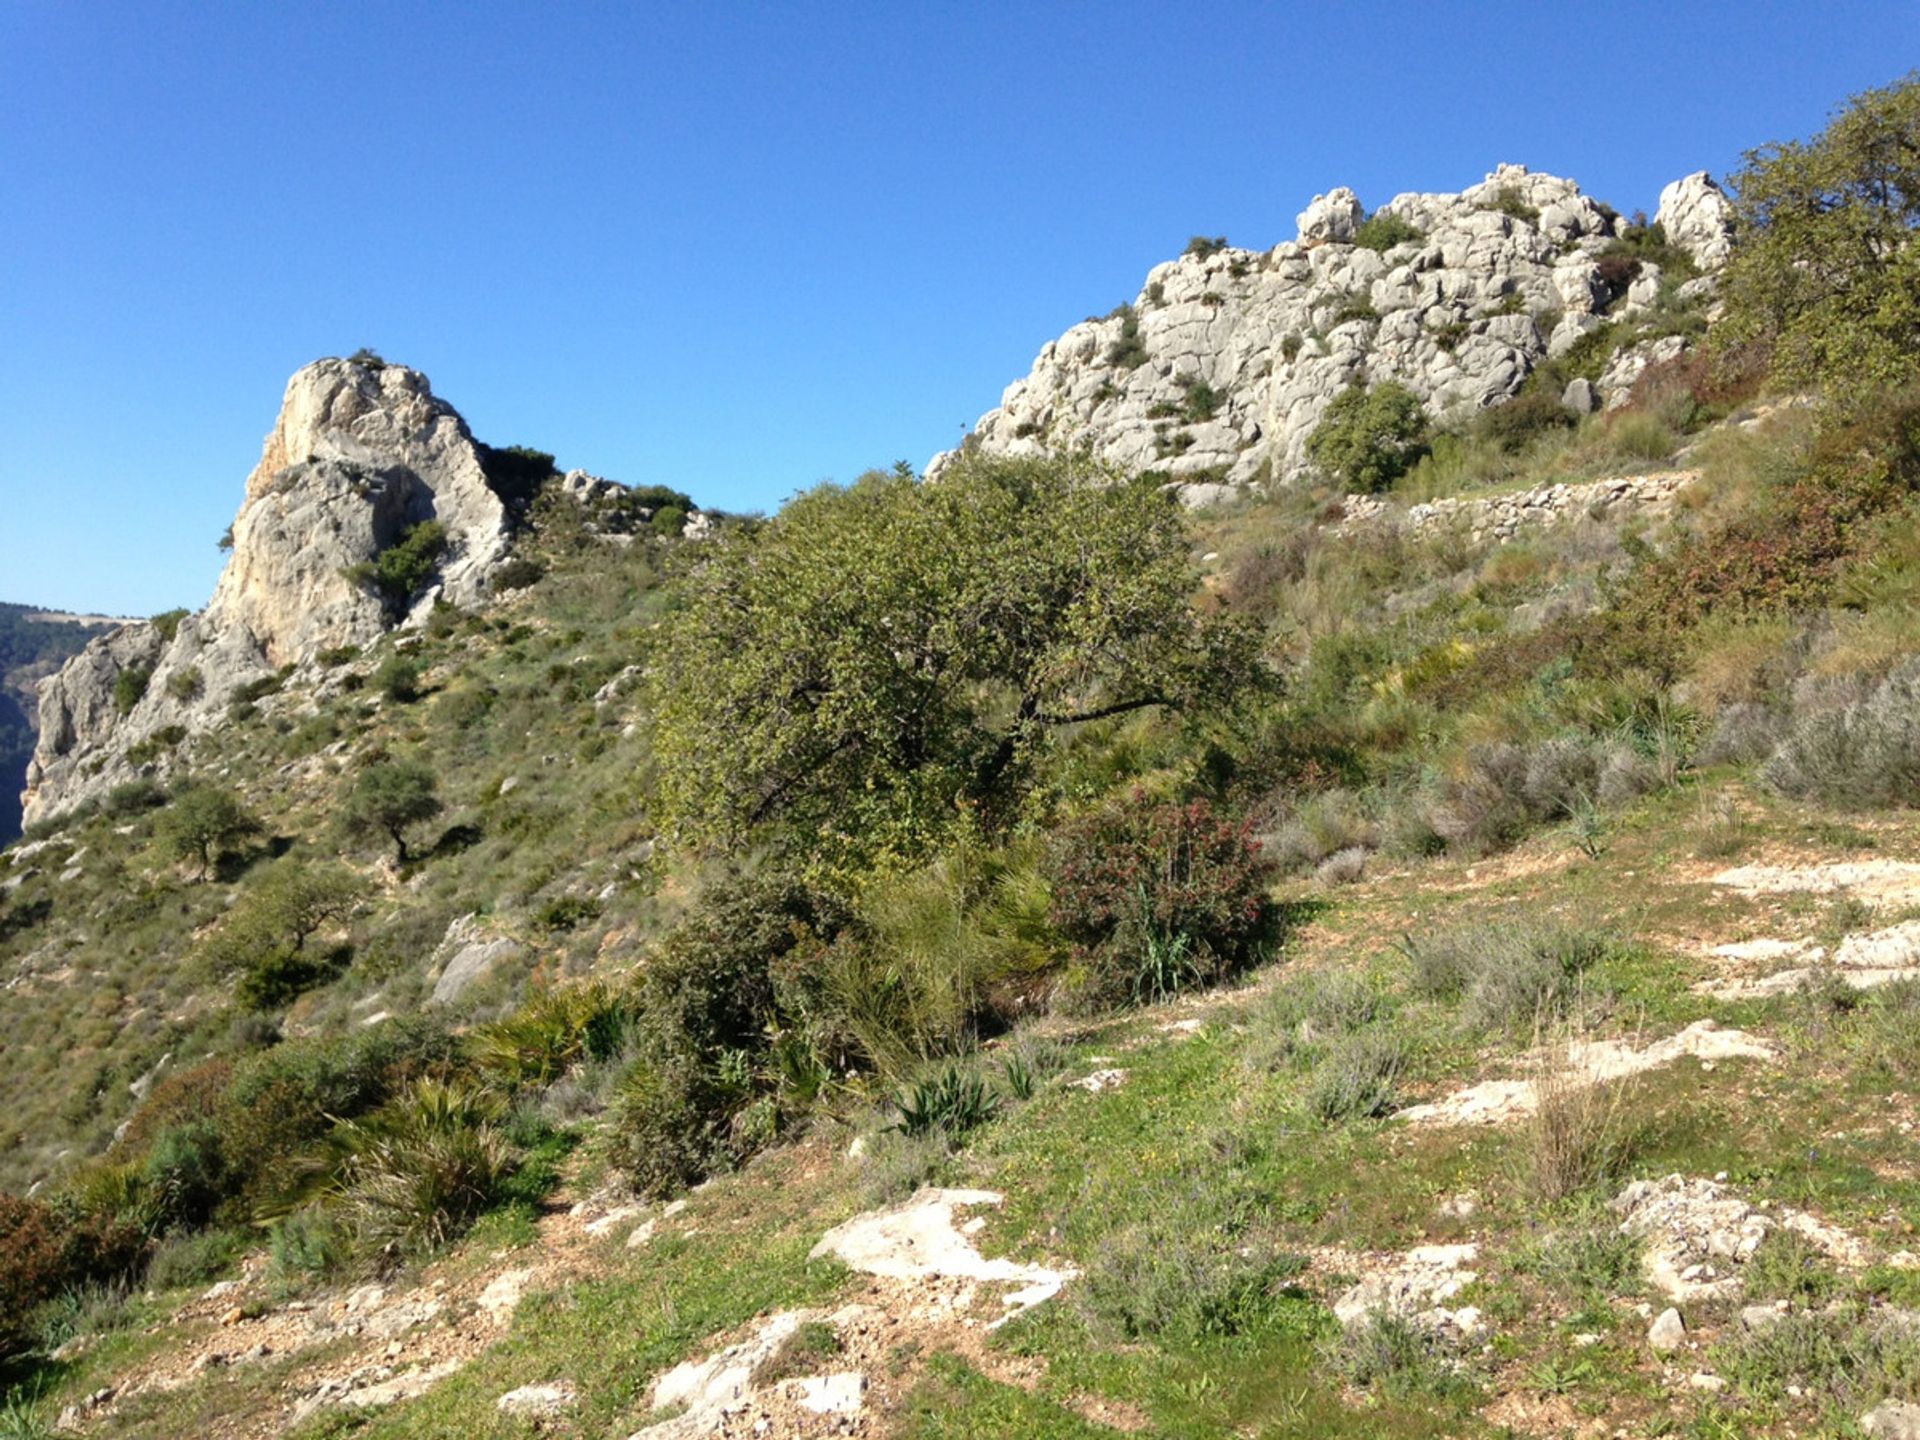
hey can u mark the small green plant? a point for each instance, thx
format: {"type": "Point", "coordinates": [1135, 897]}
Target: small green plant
{"type": "Point", "coordinates": [130, 687]}
{"type": "Point", "coordinates": [952, 1101]}
{"type": "Point", "coordinates": [186, 684]}
{"type": "Point", "coordinates": [168, 623]}
{"type": "Point", "coordinates": [1128, 351]}
{"type": "Point", "coordinates": [1383, 230]}
{"type": "Point", "coordinates": [1395, 1354]}
{"type": "Point", "coordinates": [1509, 201]}
{"type": "Point", "coordinates": [1356, 1078]}
{"type": "Point", "coordinates": [1201, 247]}
{"type": "Point", "coordinates": [398, 679]}
{"type": "Point", "coordinates": [1203, 402]}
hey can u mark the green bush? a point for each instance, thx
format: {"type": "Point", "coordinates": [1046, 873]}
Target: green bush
{"type": "Point", "coordinates": [1505, 973]}
{"type": "Point", "coordinates": [1202, 247]}
{"type": "Point", "coordinates": [951, 1101]}
{"type": "Point", "coordinates": [517, 472]}
{"type": "Point", "coordinates": [398, 678]}
{"type": "Point", "coordinates": [668, 521]}
{"type": "Point", "coordinates": [1128, 351]}
{"type": "Point", "coordinates": [168, 623]}
{"type": "Point", "coordinates": [1367, 439]}
{"type": "Point", "coordinates": [186, 684]}
{"type": "Point", "coordinates": [399, 571]}
{"type": "Point", "coordinates": [1356, 1078]}
{"type": "Point", "coordinates": [552, 1030]}
{"type": "Point", "coordinates": [1509, 201]}
{"type": "Point", "coordinates": [417, 1172]}
{"type": "Point", "coordinates": [130, 687]}
{"type": "Point", "coordinates": [1383, 230]}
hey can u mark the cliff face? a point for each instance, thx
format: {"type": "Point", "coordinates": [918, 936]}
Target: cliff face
{"type": "Point", "coordinates": [1222, 365]}
{"type": "Point", "coordinates": [360, 453]}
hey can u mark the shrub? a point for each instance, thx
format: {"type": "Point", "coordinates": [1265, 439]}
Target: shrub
{"type": "Point", "coordinates": [1195, 1266]}
{"type": "Point", "coordinates": [1128, 351]}
{"type": "Point", "coordinates": [1133, 879]}
{"type": "Point", "coordinates": [400, 569]}
{"type": "Point", "coordinates": [1863, 755]}
{"type": "Point", "coordinates": [936, 956]}
{"type": "Point", "coordinates": [1367, 439]}
{"type": "Point", "coordinates": [518, 573]}
{"type": "Point", "coordinates": [1515, 425]}
{"type": "Point", "coordinates": [168, 623]}
{"type": "Point", "coordinates": [1356, 1078]}
{"type": "Point", "coordinates": [517, 472]}
{"type": "Point", "coordinates": [398, 678]}
{"type": "Point", "coordinates": [553, 1030]}
{"type": "Point", "coordinates": [1310, 1012]}
{"type": "Point", "coordinates": [711, 1033]}
{"type": "Point", "coordinates": [44, 1252]}
{"type": "Point", "coordinates": [1504, 972]}
{"type": "Point", "coordinates": [1577, 1136]}
{"type": "Point", "coordinates": [130, 687]}
{"type": "Point", "coordinates": [1509, 201]}
{"type": "Point", "coordinates": [1846, 1354]}
{"type": "Point", "coordinates": [952, 1101]}
{"type": "Point", "coordinates": [416, 1173]}
{"type": "Point", "coordinates": [668, 521]}
{"type": "Point", "coordinates": [1202, 400]}
{"type": "Point", "coordinates": [1395, 1354]}
{"type": "Point", "coordinates": [1383, 230]}
{"type": "Point", "coordinates": [186, 684]}
{"type": "Point", "coordinates": [1202, 247]}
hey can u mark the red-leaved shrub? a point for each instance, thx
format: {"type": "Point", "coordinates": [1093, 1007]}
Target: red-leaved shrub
{"type": "Point", "coordinates": [1160, 897]}
{"type": "Point", "coordinates": [43, 1252]}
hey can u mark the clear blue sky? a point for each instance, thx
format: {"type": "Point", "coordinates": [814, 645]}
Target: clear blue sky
{"type": "Point", "coordinates": [734, 248]}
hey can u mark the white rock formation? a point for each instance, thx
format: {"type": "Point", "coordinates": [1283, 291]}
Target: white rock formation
{"type": "Point", "coordinates": [359, 453]}
{"type": "Point", "coordinates": [1697, 218]}
{"type": "Point", "coordinates": [1504, 274]}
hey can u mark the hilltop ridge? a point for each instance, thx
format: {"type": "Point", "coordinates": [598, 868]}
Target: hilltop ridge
{"type": "Point", "coordinates": [1218, 370]}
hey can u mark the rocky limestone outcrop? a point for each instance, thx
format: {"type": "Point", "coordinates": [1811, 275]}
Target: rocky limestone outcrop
{"type": "Point", "coordinates": [1222, 365]}
{"type": "Point", "coordinates": [361, 452]}
{"type": "Point", "coordinates": [1698, 218]}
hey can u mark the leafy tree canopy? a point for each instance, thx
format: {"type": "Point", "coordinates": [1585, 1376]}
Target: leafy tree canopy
{"type": "Point", "coordinates": [1826, 272]}
{"type": "Point", "coordinates": [388, 799]}
{"type": "Point", "coordinates": [877, 660]}
{"type": "Point", "coordinates": [203, 823]}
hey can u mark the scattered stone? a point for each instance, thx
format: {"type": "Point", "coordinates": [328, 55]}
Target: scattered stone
{"type": "Point", "coordinates": [1498, 1102]}
{"type": "Point", "coordinates": [1702, 1380]}
{"type": "Point", "coordinates": [1668, 1332]}
{"type": "Point", "coordinates": [536, 1400]}
{"type": "Point", "coordinates": [916, 1239]}
{"type": "Point", "coordinates": [612, 1220]}
{"type": "Point", "coordinates": [1413, 1286]}
{"type": "Point", "coordinates": [1878, 882]}
{"type": "Point", "coordinates": [704, 1390]}
{"type": "Point", "coordinates": [1698, 1232]}
{"type": "Point", "coordinates": [467, 954]}
{"type": "Point", "coordinates": [503, 1295]}
{"type": "Point", "coordinates": [1100, 1080]}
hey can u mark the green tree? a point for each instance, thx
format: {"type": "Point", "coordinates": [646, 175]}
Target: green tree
{"type": "Point", "coordinates": [1825, 271]}
{"type": "Point", "coordinates": [388, 799]}
{"type": "Point", "coordinates": [203, 823]}
{"type": "Point", "coordinates": [265, 936]}
{"type": "Point", "coordinates": [877, 660]}
{"type": "Point", "coordinates": [1367, 439]}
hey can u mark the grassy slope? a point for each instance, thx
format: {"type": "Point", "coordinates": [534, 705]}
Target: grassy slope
{"type": "Point", "coordinates": [1085, 1173]}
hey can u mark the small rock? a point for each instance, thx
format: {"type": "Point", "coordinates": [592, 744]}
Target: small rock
{"type": "Point", "coordinates": [838, 1394]}
{"type": "Point", "coordinates": [548, 1399]}
{"type": "Point", "coordinates": [1669, 1332]}
{"type": "Point", "coordinates": [1587, 1339]}
{"type": "Point", "coordinates": [234, 1316]}
{"type": "Point", "coordinates": [1100, 1080]}
{"type": "Point", "coordinates": [1701, 1380]}
{"type": "Point", "coordinates": [1893, 1419]}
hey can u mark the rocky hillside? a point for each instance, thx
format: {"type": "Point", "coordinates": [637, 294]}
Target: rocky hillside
{"type": "Point", "coordinates": [33, 644]}
{"type": "Point", "coordinates": [371, 504]}
{"type": "Point", "coordinates": [1430, 957]}
{"type": "Point", "coordinates": [1219, 369]}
